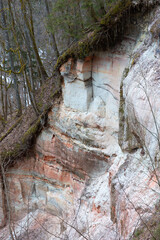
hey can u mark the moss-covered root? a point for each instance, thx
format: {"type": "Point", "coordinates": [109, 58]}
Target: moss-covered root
{"type": "Point", "coordinates": [23, 144]}
{"type": "Point", "coordinates": [11, 129]}
{"type": "Point", "coordinates": [105, 33]}
{"type": "Point", "coordinates": [91, 42]}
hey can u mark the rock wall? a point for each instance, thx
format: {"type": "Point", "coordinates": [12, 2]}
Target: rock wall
{"type": "Point", "coordinates": [93, 173]}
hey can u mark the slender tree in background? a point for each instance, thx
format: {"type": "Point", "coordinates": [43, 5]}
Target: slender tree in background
{"type": "Point", "coordinates": [54, 44]}
{"type": "Point", "coordinates": [29, 24]}
{"type": "Point", "coordinates": [29, 83]}
{"type": "Point", "coordinates": [29, 44]}
{"type": "Point", "coordinates": [10, 53]}
{"type": "Point", "coordinates": [89, 5]}
{"type": "Point", "coordinates": [73, 18]}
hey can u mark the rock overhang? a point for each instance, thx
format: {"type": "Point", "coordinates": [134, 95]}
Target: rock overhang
{"type": "Point", "coordinates": [108, 31]}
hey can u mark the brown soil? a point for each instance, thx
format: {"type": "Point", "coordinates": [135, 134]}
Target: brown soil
{"type": "Point", "coordinates": [45, 98]}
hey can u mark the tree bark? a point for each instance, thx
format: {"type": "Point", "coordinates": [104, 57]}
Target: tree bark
{"type": "Point", "coordinates": [29, 83]}
{"type": "Point", "coordinates": [32, 37]}
{"type": "Point", "coordinates": [54, 44]}
{"type": "Point", "coordinates": [8, 46]}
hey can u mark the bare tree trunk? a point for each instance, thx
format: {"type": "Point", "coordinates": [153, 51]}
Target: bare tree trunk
{"type": "Point", "coordinates": [31, 95]}
{"type": "Point", "coordinates": [24, 92]}
{"type": "Point", "coordinates": [5, 93]}
{"type": "Point", "coordinates": [8, 45]}
{"type": "Point", "coordinates": [80, 14]}
{"type": "Point", "coordinates": [29, 83]}
{"type": "Point", "coordinates": [10, 106]}
{"type": "Point", "coordinates": [2, 94]}
{"type": "Point", "coordinates": [102, 7]}
{"type": "Point", "coordinates": [54, 44]}
{"type": "Point", "coordinates": [27, 43]}
{"type": "Point", "coordinates": [32, 37]}
{"type": "Point", "coordinates": [5, 99]}
{"type": "Point", "coordinates": [91, 11]}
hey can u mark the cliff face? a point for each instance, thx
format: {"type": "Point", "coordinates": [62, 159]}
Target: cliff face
{"type": "Point", "coordinates": [94, 171]}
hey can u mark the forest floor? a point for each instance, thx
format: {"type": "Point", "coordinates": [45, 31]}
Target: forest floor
{"type": "Point", "coordinates": [150, 229]}
{"type": "Point", "coordinates": [18, 132]}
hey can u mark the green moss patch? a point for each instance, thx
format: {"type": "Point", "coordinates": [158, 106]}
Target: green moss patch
{"type": "Point", "coordinates": [11, 128]}
{"type": "Point", "coordinates": [24, 142]}
{"type": "Point", "coordinates": [156, 233]}
{"type": "Point", "coordinates": [22, 134]}
{"type": "Point", "coordinates": [106, 32]}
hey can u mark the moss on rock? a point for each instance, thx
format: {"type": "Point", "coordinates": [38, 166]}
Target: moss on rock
{"type": "Point", "coordinates": [11, 129]}
{"type": "Point", "coordinates": [106, 32]}
{"type": "Point", "coordinates": [27, 138]}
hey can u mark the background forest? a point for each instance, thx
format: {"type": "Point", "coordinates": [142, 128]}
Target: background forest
{"type": "Point", "coordinates": [33, 34]}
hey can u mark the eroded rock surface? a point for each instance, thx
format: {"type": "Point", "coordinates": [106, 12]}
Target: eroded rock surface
{"type": "Point", "coordinates": [94, 170]}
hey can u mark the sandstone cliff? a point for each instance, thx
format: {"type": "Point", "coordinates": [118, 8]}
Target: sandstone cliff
{"type": "Point", "coordinates": [94, 170]}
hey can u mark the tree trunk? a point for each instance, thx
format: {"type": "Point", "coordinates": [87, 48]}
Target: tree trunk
{"type": "Point", "coordinates": [29, 83]}
{"type": "Point", "coordinates": [54, 44]}
{"type": "Point", "coordinates": [31, 95]}
{"type": "Point", "coordinates": [32, 37]}
{"type": "Point", "coordinates": [5, 99]}
{"type": "Point", "coordinates": [8, 46]}
{"type": "Point", "coordinates": [2, 94]}
{"type": "Point", "coordinates": [80, 14]}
